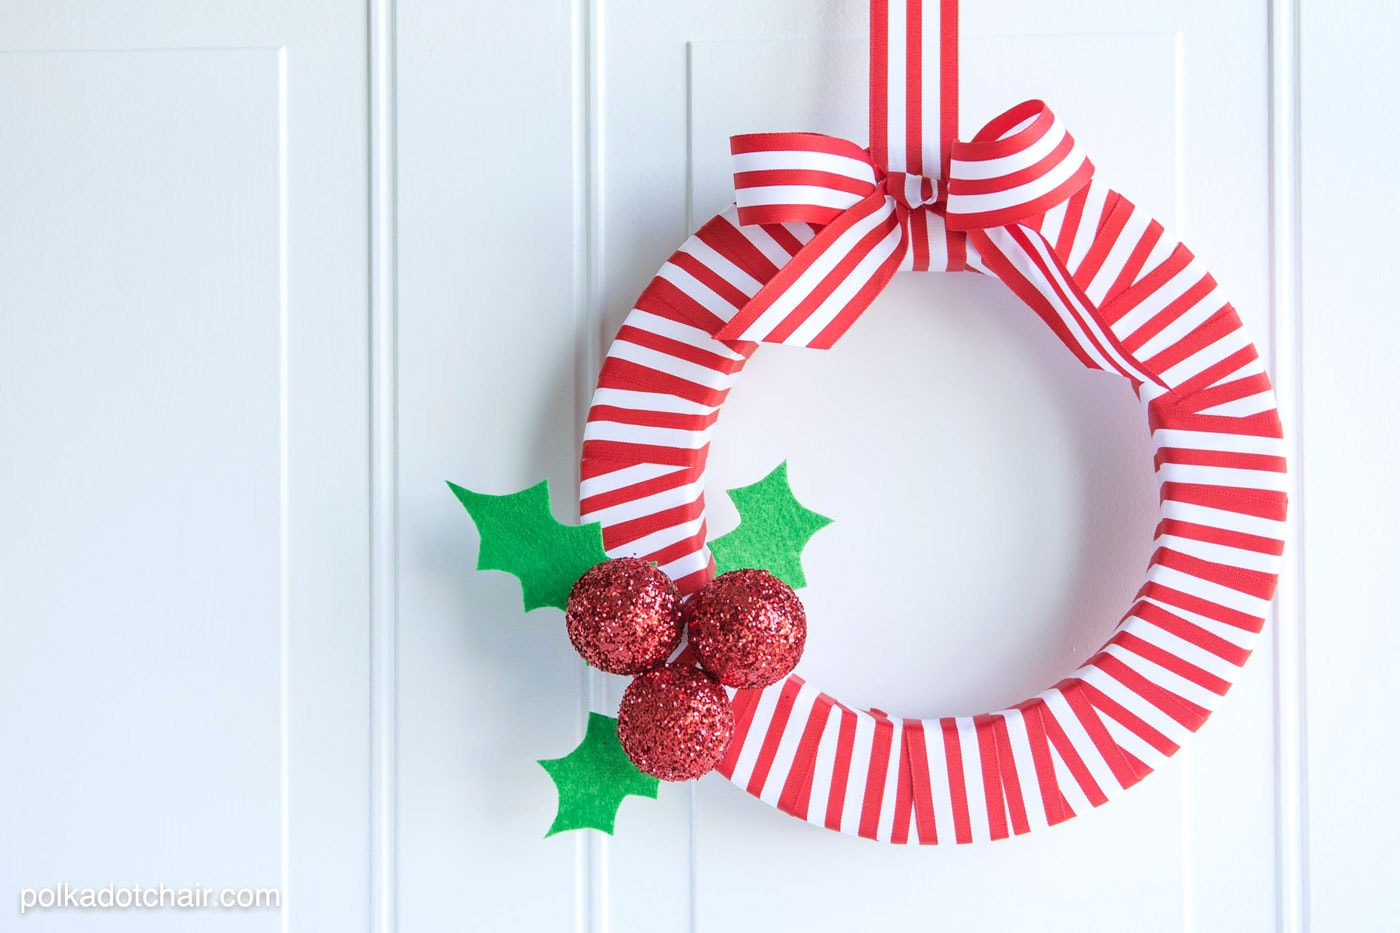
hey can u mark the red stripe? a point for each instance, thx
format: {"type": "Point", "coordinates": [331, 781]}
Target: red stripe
{"type": "Point", "coordinates": [914, 91]}
{"type": "Point", "coordinates": [879, 76]}
{"type": "Point", "coordinates": [1010, 781]}
{"type": "Point", "coordinates": [916, 751]}
{"type": "Point", "coordinates": [1237, 539]}
{"type": "Point", "coordinates": [957, 784]}
{"type": "Point", "coordinates": [948, 99]}
{"type": "Point", "coordinates": [1056, 808]}
{"type": "Point", "coordinates": [1221, 458]}
{"type": "Point", "coordinates": [991, 776]}
{"type": "Point", "coordinates": [1174, 663]}
{"type": "Point", "coordinates": [797, 789]}
{"type": "Point", "coordinates": [1190, 632]}
{"type": "Point", "coordinates": [875, 775]}
{"type": "Point", "coordinates": [903, 796]}
{"type": "Point", "coordinates": [774, 736]}
{"type": "Point", "coordinates": [1255, 583]}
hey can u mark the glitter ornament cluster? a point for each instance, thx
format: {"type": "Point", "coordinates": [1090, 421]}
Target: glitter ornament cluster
{"type": "Point", "coordinates": [747, 627]}
{"type": "Point", "coordinates": [675, 723]}
{"type": "Point", "coordinates": [623, 616]}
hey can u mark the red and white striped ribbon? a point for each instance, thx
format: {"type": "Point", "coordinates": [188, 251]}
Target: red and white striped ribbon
{"type": "Point", "coordinates": [882, 207]}
{"type": "Point", "coordinates": [1124, 297]}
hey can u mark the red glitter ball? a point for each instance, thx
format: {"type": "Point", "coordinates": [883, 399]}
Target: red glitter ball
{"type": "Point", "coordinates": [623, 616]}
{"type": "Point", "coordinates": [747, 628]}
{"type": "Point", "coordinates": [675, 723]}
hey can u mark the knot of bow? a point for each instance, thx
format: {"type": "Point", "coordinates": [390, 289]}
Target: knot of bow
{"type": "Point", "coordinates": [873, 222]}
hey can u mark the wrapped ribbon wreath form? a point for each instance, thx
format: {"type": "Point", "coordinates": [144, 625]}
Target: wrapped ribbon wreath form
{"type": "Point", "coordinates": [819, 227]}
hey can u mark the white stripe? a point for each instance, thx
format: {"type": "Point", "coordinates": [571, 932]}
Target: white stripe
{"type": "Point", "coordinates": [685, 566]}
{"type": "Point", "coordinates": [1211, 440]}
{"type": "Point", "coordinates": [894, 82]}
{"type": "Point", "coordinates": [721, 265]}
{"type": "Point", "coordinates": [805, 160]}
{"type": "Point", "coordinates": [620, 479]}
{"type": "Point", "coordinates": [1222, 553]}
{"type": "Point", "coordinates": [1054, 220]}
{"type": "Point", "coordinates": [860, 769]}
{"type": "Point", "coordinates": [1031, 795]}
{"type": "Point", "coordinates": [979, 169]}
{"type": "Point", "coordinates": [884, 829]}
{"type": "Point", "coordinates": [1208, 661]}
{"type": "Point", "coordinates": [972, 779]}
{"type": "Point", "coordinates": [1232, 477]}
{"type": "Point", "coordinates": [1088, 226]}
{"type": "Point", "coordinates": [1223, 519]}
{"type": "Point", "coordinates": [1211, 592]}
{"type": "Point", "coordinates": [939, 787]}
{"type": "Point", "coordinates": [815, 195]}
{"type": "Point", "coordinates": [820, 796]}
{"type": "Point", "coordinates": [1167, 679]}
{"type": "Point", "coordinates": [1255, 404]}
{"type": "Point", "coordinates": [671, 365]}
{"type": "Point", "coordinates": [931, 72]}
{"type": "Point", "coordinates": [1254, 367]}
{"type": "Point", "coordinates": [1239, 637]}
{"type": "Point", "coordinates": [679, 438]}
{"type": "Point", "coordinates": [787, 746]}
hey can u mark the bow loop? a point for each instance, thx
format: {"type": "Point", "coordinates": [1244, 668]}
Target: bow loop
{"type": "Point", "coordinates": [783, 178]}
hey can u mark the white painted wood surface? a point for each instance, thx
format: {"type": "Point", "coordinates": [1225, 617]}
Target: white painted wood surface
{"type": "Point", "coordinates": [249, 323]}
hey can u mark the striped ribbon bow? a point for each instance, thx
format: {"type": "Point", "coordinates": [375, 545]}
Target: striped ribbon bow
{"type": "Point", "coordinates": [904, 203]}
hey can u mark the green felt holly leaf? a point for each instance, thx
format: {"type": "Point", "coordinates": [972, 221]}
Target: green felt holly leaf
{"type": "Point", "coordinates": [520, 535]}
{"type": "Point", "coordinates": [773, 529]}
{"type": "Point", "coordinates": [594, 778]}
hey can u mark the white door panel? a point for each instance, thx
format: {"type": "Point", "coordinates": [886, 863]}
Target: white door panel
{"type": "Point", "coordinates": [183, 346]}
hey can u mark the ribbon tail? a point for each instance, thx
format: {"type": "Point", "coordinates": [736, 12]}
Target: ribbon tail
{"type": "Point", "coordinates": [821, 292]}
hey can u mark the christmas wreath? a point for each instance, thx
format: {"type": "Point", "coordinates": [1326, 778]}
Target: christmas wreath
{"type": "Point", "coordinates": [712, 631]}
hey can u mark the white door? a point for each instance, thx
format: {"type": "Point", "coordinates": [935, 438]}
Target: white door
{"type": "Point", "coordinates": [271, 273]}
